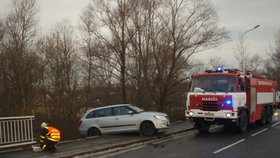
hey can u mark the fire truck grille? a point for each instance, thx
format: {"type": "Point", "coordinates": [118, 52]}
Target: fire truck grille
{"type": "Point", "coordinates": [210, 106]}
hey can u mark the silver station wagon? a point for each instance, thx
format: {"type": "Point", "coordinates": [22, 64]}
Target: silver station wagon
{"type": "Point", "coordinates": [121, 118]}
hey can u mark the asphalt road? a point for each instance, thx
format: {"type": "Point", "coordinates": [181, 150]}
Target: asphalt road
{"type": "Point", "coordinates": [257, 142]}
{"type": "Point", "coordinates": [177, 142]}
{"type": "Point", "coordinates": [95, 144]}
{"type": "Point", "coordinates": [75, 147]}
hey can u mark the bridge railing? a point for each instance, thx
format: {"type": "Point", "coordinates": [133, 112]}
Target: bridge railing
{"type": "Point", "coordinates": [15, 131]}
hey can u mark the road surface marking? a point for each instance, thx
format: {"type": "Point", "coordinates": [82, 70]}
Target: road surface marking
{"type": "Point", "coordinates": [229, 146]}
{"type": "Point", "coordinates": [259, 132]}
{"type": "Point", "coordinates": [275, 124]}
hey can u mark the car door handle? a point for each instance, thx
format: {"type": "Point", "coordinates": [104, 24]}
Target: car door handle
{"type": "Point", "coordinates": [116, 118]}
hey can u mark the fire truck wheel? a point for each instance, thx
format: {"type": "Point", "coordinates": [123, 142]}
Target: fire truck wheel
{"type": "Point", "coordinates": [202, 126]}
{"type": "Point", "coordinates": [268, 115]}
{"type": "Point", "coordinates": [243, 124]}
{"type": "Point", "coordinates": [262, 121]}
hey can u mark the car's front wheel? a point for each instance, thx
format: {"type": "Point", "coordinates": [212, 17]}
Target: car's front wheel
{"type": "Point", "coordinates": [94, 132]}
{"type": "Point", "coordinates": [148, 128]}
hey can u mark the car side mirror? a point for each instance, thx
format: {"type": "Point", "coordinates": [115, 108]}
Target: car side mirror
{"type": "Point", "coordinates": [130, 112]}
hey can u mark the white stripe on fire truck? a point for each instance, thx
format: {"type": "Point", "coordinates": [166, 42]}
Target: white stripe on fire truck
{"type": "Point", "coordinates": [265, 97]}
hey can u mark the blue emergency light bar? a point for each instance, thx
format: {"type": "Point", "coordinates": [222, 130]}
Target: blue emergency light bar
{"type": "Point", "coordinates": [219, 69]}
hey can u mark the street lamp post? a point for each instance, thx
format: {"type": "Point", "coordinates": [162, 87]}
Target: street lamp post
{"type": "Point", "coordinates": [243, 51]}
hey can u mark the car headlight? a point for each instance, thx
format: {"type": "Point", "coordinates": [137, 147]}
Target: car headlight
{"type": "Point", "coordinates": [160, 117]}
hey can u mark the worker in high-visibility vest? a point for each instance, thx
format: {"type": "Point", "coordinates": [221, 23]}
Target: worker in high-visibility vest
{"type": "Point", "coordinates": [49, 137]}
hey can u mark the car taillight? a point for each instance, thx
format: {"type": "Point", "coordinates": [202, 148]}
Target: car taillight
{"type": "Point", "coordinates": [79, 123]}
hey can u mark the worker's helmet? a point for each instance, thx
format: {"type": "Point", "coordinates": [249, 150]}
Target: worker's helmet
{"type": "Point", "coordinates": [43, 124]}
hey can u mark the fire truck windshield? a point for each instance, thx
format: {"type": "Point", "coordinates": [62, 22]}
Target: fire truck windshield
{"type": "Point", "coordinates": [214, 84]}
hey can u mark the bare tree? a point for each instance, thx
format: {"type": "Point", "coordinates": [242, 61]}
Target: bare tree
{"type": "Point", "coordinates": [241, 49]}
{"type": "Point", "coordinates": [188, 27]}
{"type": "Point", "coordinates": [2, 91]}
{"type": "Point", "coordinates": [99, 61]}
{"type": "Point", "coordinates": [62, 71]}
{"type": "Point", "coordinates": [255, 64]}
{"type": "Point", "coordinates": [215, 61]}
{"type": "Point", "coordinates": [2, 29]}
{"type": "Point", "coordinates": [114, 18]}
{"type": "Point", "coordinates": [106, 89]}
{"type": "Point", "coordinates": [153, 42]}
{"type": "Point", "coordinates": [89, 50]}
{"type": "Point", "coordinates": [19, 62]}
{"type": "Point", "coordinates": [252, 63]}
{"type": "Point", "coordinates": [143, 34]}
{"type": "Point", "coordinates": [273, 63]}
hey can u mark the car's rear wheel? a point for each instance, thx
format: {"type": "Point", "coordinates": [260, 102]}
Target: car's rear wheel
{"type": "Point", "coordinates": [94, 132]}
{"type": "Point", "coordinates": [148, 128]}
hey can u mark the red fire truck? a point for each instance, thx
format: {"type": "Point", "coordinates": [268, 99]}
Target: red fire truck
{"type": "Point", "coordinates": [230, 98]}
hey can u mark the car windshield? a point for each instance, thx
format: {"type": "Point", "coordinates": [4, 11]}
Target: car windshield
{"type": "Point", "coordinates": [213, 84]}
{"type": "Point", "coordinates": [136, 108]}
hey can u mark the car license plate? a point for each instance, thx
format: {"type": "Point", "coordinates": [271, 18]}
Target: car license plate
{"type": "Point", "coordinates": [209, 114]}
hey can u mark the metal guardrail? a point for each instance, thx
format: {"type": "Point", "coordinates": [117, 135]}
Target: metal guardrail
{"type": "Point", "coordinates": [15, 131]}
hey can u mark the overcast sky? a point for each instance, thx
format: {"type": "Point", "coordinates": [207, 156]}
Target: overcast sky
{"type": "Point", "coordinates": [237, 16]}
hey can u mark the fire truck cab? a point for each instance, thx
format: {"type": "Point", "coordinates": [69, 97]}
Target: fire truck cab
{"type": "Point", "coordinates": [230, 98]}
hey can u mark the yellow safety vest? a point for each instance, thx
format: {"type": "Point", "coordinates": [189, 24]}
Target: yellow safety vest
{"type": "Point", "coordinates": [54, 134]}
